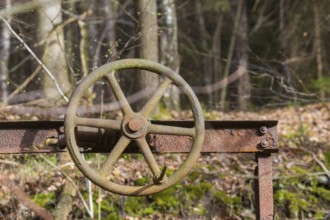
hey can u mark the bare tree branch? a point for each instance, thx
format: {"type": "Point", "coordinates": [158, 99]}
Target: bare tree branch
{"type": "Point", "coordinates": [21, 8]}
{"type": "Point", "coordinates": [37, 59]}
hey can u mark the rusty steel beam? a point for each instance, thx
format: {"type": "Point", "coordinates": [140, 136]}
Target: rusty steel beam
{"type": "Point", "coordinates": [220, 136]}
{"type": "Point", "coordinates": [29, 136]}
{"type": "Point", "coordinates": [264, 187]}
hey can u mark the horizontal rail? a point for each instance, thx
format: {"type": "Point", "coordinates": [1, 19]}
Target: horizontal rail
{"type": "Point", "coordinates": [220, 136]}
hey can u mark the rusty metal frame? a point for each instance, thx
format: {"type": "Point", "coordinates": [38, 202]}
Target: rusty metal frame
{"type": "Point", "coordinates": [258, 137]}
{"type": "Point", "coordinates": [264, 187]}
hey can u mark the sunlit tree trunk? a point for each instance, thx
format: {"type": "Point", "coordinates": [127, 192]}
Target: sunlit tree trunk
{"type": "Point", "coordinates": [54, 60]}
{"type": "Point", "coordinates": [169, 55]}
{"type": "Point", "coordinates": [71, 44]}
{"type": "Point", "coordinates": [111, 8]}
{"type": "Point", "coordinates": [84, 43]}
{"type": "Point", "coordinates": [54, 56]}
{"type": "Point", "coordinates": [4, 56]}
{"type": "Point", "coordinates": [147, 13]}
{"type": "Point", "coordinates": [244, 87]}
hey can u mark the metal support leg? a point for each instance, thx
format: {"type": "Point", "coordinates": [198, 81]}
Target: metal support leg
{"type": "Point", "coordinates": [264, 187]}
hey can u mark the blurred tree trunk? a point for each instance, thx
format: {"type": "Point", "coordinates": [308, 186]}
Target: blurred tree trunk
{"type": "Point", "coordinates": [70, 33]}
{"type": "Point", "coordinates": [4, 56]}
{"type": "Point", "coordinates": [169, 55]}
{"type": "Point", "coordinates": [147, 13]}
{"type": "Point", "coordinates": [318, 45]}
{"type": "Point", "coordinates": [84, 45]}
{"type": "Point", "coordinates": [54, 56]}
{"type": "Point", "coordinates": [111, 13]}
{"type": "Point", "coordinates": [203, 39]}
{"type": "Point", "coordinates": [244, 86]}
{"type": "Point", "coordinates": [54, 60]}
{"type": "Point", "coordinates": [217, 66]}
{"type": "Point", "coordinates": [104, 33]}
{"type": "Point", "coordinates": [102, 38]}
{"type": "Point", "coordinates": [231, 52]}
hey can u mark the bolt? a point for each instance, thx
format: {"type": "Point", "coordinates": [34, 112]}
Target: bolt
{"type": "Point", "coordinates": [264, 144]}
{"type": "Point", "coordinates": [134, 124]}
{"type": "Point", "coordinates": [62, 129]}
{"type": "Point", "coordinates": [263, 129]}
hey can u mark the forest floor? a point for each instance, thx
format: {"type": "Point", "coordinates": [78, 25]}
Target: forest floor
{"type": "Point", "coordinates": [220, 186]}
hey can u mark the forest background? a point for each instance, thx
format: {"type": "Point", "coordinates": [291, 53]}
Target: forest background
{"type": "Point", "coordinates": [245, 60]}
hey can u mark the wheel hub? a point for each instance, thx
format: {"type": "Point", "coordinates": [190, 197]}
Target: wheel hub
{"type": "Point", "coordinates": [134, 126]}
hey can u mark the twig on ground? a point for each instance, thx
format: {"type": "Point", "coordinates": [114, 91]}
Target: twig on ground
{"type": "Point", "coordinates": [321, 165]}
{"type": "Point", "coordinates": [25, 199]}
{"type": "Point", "coordinates": [10, 162]}
{"type": "Point", "coordinates": [69, 179]}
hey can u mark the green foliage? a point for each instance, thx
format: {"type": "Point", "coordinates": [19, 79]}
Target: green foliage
{"type": "Point", "coordinates": [320, 84]}
{"type": "Point", "coordinates": [294, 202]}
{"type": "Point", "coordinates": [301, 195]}
{"type": "Point", "coordinates": [167, 201]}
{"type": "Point", "coordinates": [322, 192]}
{"type": "Point", "coordinates": [327, 158]}
{"type": "Point", "coordinates": [110, 208]}
{"type": "Point", "coordinates": [197, 191]}
{"type": "Point", "coordinates": [190, 197]}
{"type": "Point", "coordinates": [141, 181]}
{"type": "Point", "coordinates": [194, 175]}
{"type": "Point", "coordinates": [44, 199]}
{"type": "Point", "coordinates": [222, 197]}
{"type": "Point", "coordinates": [295, 137]}
{"type": "Point", "coordinates": [217, 6]}
{"type": "Point", "coordinates": [36, 164]}
{"type": "Point", "coordinates": [113, 216]}
{"type": "Point", "coordinates": [163, 114]}
{"type": "Point", "coordinates": [133, 205]}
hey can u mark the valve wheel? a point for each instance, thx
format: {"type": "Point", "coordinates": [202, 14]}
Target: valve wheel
{"type": "Point", "coordinates": [134, 127]}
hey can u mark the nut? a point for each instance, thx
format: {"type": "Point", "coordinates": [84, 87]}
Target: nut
{"type": "Point", "coordinates": [264, 144]}
{"type": "Point", "coordinates": [263, 129]}
{"type": "Point", "coordinates": [134, 125]}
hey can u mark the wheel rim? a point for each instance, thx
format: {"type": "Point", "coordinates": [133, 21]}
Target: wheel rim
{"type": "Point", "coordinates": [134, 127]}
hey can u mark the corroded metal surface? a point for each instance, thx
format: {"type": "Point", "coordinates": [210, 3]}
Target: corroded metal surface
{"type": "Point", "coordinates": [220, 136]}
{"type": "Point", "coordinates": [264, 187]}
{"type": "Point", "coordinates": [30, 136]}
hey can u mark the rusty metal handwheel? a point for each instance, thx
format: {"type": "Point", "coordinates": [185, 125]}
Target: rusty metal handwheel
{"type": "Point", "coordinates": [134, 127]}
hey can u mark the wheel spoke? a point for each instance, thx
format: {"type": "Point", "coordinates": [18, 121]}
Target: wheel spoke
{"type": "Point", "coordinates": [98, 123]}
{"type": "Point", "coordinates": [149, 157]}
{"type": "Point", "coordinates": [114, 154]}
{"type": "Point", "coordinates": [171, 130]}
{"type": "Point", "coordinates": [123, 103]}
{"type": "Point", "coordinates": [154, 100]}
